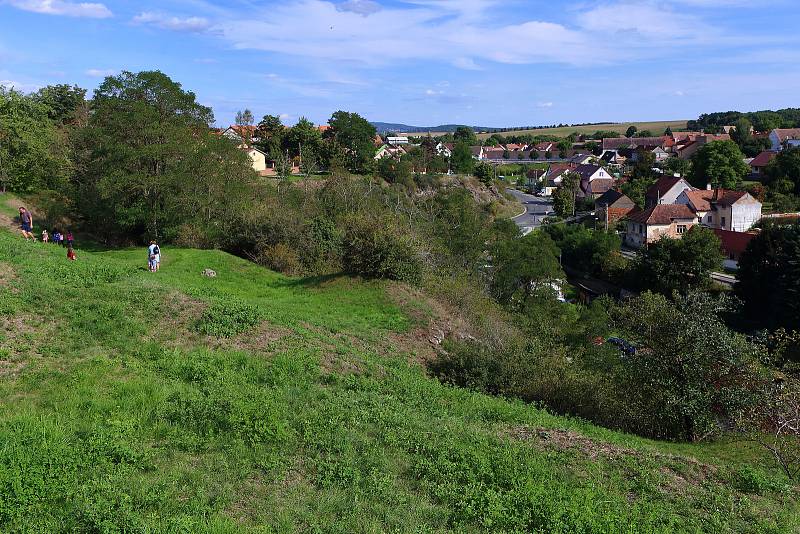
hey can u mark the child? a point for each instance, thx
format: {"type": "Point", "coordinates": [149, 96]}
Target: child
{"type": "Point", "coordinates": [45, 236]}
{"type": "Point", "coordinates": [70, 254]}
{"type": "Point", "coordinates": [56, 236]}
{"type": "Point", "coordinates": [70, 239]}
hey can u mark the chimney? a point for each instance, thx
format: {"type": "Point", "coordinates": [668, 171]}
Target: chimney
{"type": "Point", "coordinates": [708, 186]}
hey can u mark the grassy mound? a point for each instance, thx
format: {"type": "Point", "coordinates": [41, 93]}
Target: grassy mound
{"type": "Point", "coordinates": [173, 402]}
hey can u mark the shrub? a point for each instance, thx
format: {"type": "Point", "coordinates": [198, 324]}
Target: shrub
{"type": "Point", "coordinates": [378, 249]}
{"type": "Point", "coordinates": [228, 318]}
{"type": "Point", "coordinates": [282, 258]}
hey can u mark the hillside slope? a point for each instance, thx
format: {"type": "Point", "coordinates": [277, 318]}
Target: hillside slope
{"type": "Point", "coordinates": [132, 401]}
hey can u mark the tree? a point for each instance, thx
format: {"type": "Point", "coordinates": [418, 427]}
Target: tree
{"type": "Point", "coordinates": [678, 166]}
{"type": "Point", "coordinates": [668, 132]}
{"type": "Point", "coordinates": [65, 104]}
{"type": "Point", "coordinates": [140, 149]}
{"type": "Point", "coordinates": [396, 171]}
{"type": "Point", "coordinates": [719, 163]}
{"type": "Point", "coordinates": [484, 172]}
{"type": "Point", "coordinates": [244, 119]}
{"type": "Point", "coordinates": [689, 370]}
{"type": "Point", "coordinates": [33, 156]}
{"type": "Point", "coordinates": [465, 134]}
{"type": "Point", "coordinates": [741, 132]}
{"type": "Point", "coordinates": [769, 277]}
{"type": "Point", "coordinates": [270, 132]}
{"type": "Point", "coordinates": [356, 136]}
{"type": "Point", "coordinates": [461, 160]}
{"type": "Point", "coordinates": [631, 131]}
{"type": "Point", "coordinates": [644, 133]}
{"type": "Point", "coordinates": [302, 137]}
{"type": "Point", "coordinates": [524, 266]}
{"type": "Point", "coordinates": [565, 195]}
{"type": "Point", "coordinates": [785, 166]}
{"type": "Point", "coordinates": [681, 265]}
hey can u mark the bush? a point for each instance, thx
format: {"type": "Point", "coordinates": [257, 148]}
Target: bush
{"type": "Point", "coordinates": [282, 258]}
{"type": "Point", "coordinates": [228, 318]}
{"type": "Point", "coordinates": [378, 249]}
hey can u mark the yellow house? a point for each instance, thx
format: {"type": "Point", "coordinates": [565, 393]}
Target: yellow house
{"type": "Point", "coordinates": [258, 159]}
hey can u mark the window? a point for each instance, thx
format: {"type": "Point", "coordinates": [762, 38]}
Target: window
{"type": "Point", "coordinates": [641, 229]}
{"type": "Point", "coordinates": [708, 219]}
{"type": "Point", "coordinates": [681, 229]}
{"type": "Point", "coordinates": [723, 222]}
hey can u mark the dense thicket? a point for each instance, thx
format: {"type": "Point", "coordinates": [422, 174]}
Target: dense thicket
{"type": "Point", "coordinates": [762, 121]}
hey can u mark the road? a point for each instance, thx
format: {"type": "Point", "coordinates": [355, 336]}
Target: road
{"type": "Point", "coordinates": [536, 208]}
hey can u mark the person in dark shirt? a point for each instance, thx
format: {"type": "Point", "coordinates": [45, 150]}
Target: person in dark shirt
{"type": "Point", "coordinates": [26, 220]}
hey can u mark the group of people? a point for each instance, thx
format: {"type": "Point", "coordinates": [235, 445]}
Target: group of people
{"type": "Point", "coordinates": [26, 226]}
{"type": "Point", "coordinates": [66, 240]}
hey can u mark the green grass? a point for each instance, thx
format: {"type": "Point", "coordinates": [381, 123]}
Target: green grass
{"type": "Point", "coordinates": [118, 413]}
{"type": "Point", "coordinates": [657, 127]}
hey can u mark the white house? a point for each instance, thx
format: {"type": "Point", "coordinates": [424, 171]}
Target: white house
{"type": "Point", "coordinates": [780, 138]}
{"type": "Point", "coordinates": [666, 190]}
{"type": "Point", "coordinates": [397, 140]}
{"type": "Point", "coordinates": [657, 221]}
{"type": "Point", "coordinates": [723, 209]}
{"type": "Point", "coordinates": [444, 149]}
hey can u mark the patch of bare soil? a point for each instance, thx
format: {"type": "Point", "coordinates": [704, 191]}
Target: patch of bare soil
{"type": "Point", "coordinates": [7, 276]}
{"type": "Point", "coordinates": [434, 322]}
{"type": "Point", "coordinates": [179, 312]}
{"type": "Point", "coordinates": [678, 474]}
{"type": "Point", "coordinates": [258, 491]}
{"type": "Point", "coordinates": [262, 339]}
{"type": "Point", "coordinates": [20, 337]}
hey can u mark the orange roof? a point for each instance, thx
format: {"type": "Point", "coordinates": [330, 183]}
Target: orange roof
{"type": "Point", "coordinates": [323, 128]}
{"type": "Point", "coordinates": [702, 199]}
{"type": "Point", "coordinates": [662, 214]}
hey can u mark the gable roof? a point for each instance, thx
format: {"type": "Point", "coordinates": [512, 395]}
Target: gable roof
{"type": "Point", "coordinates": [614, 143]}
{"type": "Point", "coordinates": [763, 159]}
{"type": "Point", "coordinates": [786, 133]}
{"type": "Point", "coordinates": [704, 199]}
{"type": "Point", "coordinates": [662, 214]}
{"type": "Point", "coordinates": [664, 184]}
{"type": "Point", "coordinates": [587, 170]}
{"type": "Point", "coordinates": [597, 186]}
{"type": "Point", "coordinates": [611, 197]}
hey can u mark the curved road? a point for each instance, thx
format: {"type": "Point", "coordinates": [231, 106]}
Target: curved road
{"type": "Point", "coordinates": [536, 208]}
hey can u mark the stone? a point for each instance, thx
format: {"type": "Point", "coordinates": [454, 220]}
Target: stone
{"type": "Point", "coordinates": [209, 273]}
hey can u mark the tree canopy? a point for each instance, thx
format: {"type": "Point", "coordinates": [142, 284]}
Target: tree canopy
{"type": "Point", "coordinates": [356, 136]}
{"type": "Point", "coordinates": [719, 163]}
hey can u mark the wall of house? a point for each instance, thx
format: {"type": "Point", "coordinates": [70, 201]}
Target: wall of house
{"type": "Point", "coordinates": [745, 214]}
{"type": "Point", "coordinates": [258, 160]}
{"type": "Point", "coordinates": [672, 196]}
{"type": "Point", "coordinates": [635, 235]}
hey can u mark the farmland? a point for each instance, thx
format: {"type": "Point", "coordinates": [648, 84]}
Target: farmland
{"type": "Point", "coordinates": [657, 127]}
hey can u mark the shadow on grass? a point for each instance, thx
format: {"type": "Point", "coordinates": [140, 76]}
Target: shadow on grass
{"type": "Point", "coordinates": [311, 281]}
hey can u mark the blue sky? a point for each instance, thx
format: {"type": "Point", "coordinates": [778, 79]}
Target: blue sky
{"type": "Point", "coordinates": [424, 62]}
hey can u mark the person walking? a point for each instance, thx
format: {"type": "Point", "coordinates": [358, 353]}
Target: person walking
{"type": "Point", "coordinates": [153, 257]}
{"type": "Point", "coordinates": [70, 239]}
{"type": "Point", "coordinates": [26, 220]}
{"type": "Point", "coordinates": [45, 236]}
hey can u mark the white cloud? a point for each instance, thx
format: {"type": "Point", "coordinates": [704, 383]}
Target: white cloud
{"type": "Point", "coordinates": [63, 7]}
{"type": "Point", "coordinates": [465, 63]}
{"type": "Point", "coordinates": [432, 92]}
{"type": "Point", "coordinates": [362, 7]}
{"type": "Point", "coordinates": [544, 104]}
{"type": "Point", "coordinates": [100, 73]}
{"type": "Point", "coordinates": [643, 20]}
{"type": "Point", "coordinates": [19, 86]}
{"type": "Point", "coordinates": [169, 22]}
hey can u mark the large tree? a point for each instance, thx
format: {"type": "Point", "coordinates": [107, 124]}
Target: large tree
{"type": "Point", "coordinates": [719, 163]}
{"type": "Point", "coordinates": [769, 277]}
{"type": "Point", "coordinates": [461, 160]}
{"type": "Point", "coordinates": [142, 146]}
{"type": "Point", "coordinates": [564, 198]}
{"type": "Point", "coordinates": [466, 135]}
{"type": "Point", "coordinates": [303, 139]}
{"type": "Point", "coordinates": [679, 264]}
{"type": "Point", "coordinates": [65, 104]}
{"type": "Point", "coordinates": [785, 166]}
{"type": "Point", "coordinates": [33, 156]}
{"type": "Point", "coordinates": [270, 132]}
{"type": "Point", "coordinates": [356, 136]}
{"type": "Point", "coordinates": [523, 267]}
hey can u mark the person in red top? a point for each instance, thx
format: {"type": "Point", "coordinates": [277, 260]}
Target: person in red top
{"type": "Point", "coordinates": [70, 254]}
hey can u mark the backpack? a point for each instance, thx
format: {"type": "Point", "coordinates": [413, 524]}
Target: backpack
{"type": "Point", "coordinates": [156, 251]}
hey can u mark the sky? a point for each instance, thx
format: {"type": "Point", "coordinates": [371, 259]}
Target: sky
{"type": "Point", "coordinates": [496, 63]}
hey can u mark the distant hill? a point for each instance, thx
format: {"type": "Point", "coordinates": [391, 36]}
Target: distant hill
{"type": "Point", "coordinates": [384, 127]}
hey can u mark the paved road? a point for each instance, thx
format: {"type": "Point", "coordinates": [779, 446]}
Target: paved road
{"type": "Point", "coordinates": [536, 208]}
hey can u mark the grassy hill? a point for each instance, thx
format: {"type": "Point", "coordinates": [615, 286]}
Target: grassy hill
{"type": "Point", "coordinates": [657, 127]}
{"type": "Point", "coordinates": [174, 402]}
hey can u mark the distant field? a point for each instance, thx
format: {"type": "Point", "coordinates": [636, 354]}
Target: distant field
{"type": "Point", "coordinates": [657, 127]}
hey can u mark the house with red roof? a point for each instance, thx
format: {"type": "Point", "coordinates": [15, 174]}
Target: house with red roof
{"type": "Point", "coordinates": [662, 220]}
{"type": "Point", "coordinates": [784, 137]}
{"type": "Point", "coordinates": [724, 209]}
{"type": "Point", "coordinates": [733, 245]}
{"type": "Point", "coordinates": [758, 163]}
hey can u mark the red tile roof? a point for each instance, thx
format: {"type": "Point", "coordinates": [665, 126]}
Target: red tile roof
{"type": "Point", "coordinates": [663, 185]}
{"type": "Point", "coordinates": [734, 242]}
{"type": "Point", "coordinates": [662, 214]}
{"type": "Point", "coordinates": [702, 199]}
{"type": "Point", "coordinates": [787, 133]}
{"type": "Point", "coordinates": [763, 159]}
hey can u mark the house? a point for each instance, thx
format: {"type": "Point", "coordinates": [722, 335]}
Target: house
{"type": "Point", "coordinates": [615, 143]}
{"type": "Point", "coordinates": [477, 152]}
{"type": "Point", "coordinates": [445, 149]}
{"type": "Point", "coordinates": [613, 205]}
{"type": "Point", "coordinates": [733, 245]}
{"type": "Point", "coordinates": [591, 172]}
{"type": "Point", "coordinates": [648, 226]}
{"type": "Point", "coordinates": [554, 179]}
{"type": "Point", "coordinates": [389, 151]}
{"type": "Point", "coordinates": [257, 157]}
{"type": "Point", "coordinates": [758, 163]}
{"type": "Point", "coordinates": [582, 159]}
{"type": "Point", "coordinates": [781, 138]}
{"type": "Point", "coordinates": [666, 190]}
{"type": "Point", "coordinates": [735, 211]}
{"type": "Point", "coordinates": [660, 154]}
{"type": "Point", "coordinates": [595, 180]}
{"type": "Point", "coordinates": [240, 133]}
{"type": "Point", "coordinates": [687, 143]}
{"type": "Point", "coordinates": [397, 140]}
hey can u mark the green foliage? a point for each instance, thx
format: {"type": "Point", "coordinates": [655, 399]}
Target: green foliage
{"type": "Point", "coordinates": [355, 135]}
{"type": "Point", "coordinates": [396, 171]}
{"type": "Point", "coordinates": [65, 104]}
{"type": "Point", "coordinates": [461, 160]}
{"type": "Point", "coordinates": [465, 134]}
{"type": "Point", "coordinates": [525, 266]}
{"type": "Point", "coordinates": [379, 249]}
{"type": "Point", "coordinates": [631, 131]}
{"type": "Point", "coordinates": [785, 166]}
{"type": "Point", "coordinates": [679, 264]}
{"type": "Point", "coordinates": [485, 173]}
{"type": "Point", "coordinates": [228, 318]}
{"type": "Point", "coordinates": [769, 277]}
{"type": "Point", "coordinates": [719, 163]}
{"type": "Point", "coordinates": [564, 199]}
{"type": "Point", "coordinates": [689, 369]}
{"type": "Point", "coordinates": [591, 251]}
